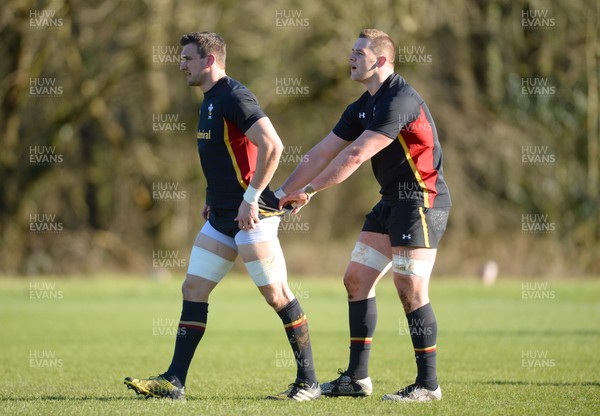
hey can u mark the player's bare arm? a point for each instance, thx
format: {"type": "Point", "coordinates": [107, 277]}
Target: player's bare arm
{"type": "Point", "coordinates": [263, 135]}
{"type": "Point", "coordinates": [368, 144]}
{"type": "Point", "coordinates": [317, 160]}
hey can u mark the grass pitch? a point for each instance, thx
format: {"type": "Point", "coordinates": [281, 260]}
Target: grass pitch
{"type": "Point", "coordinates": [522, 347]}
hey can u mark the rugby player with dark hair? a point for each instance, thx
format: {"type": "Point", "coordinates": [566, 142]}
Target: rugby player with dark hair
{"type": "Point", "coordinates": [239, 152]}
{"type": "Point", "coordinates": [390, 125]}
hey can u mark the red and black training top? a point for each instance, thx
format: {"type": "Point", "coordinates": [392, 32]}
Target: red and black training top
{"type": "Point", "coordinates": [409, 170]}
{"type": "Point", "coordinates": [227, 156]}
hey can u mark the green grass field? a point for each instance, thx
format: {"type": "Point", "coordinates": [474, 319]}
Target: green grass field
{"type": "Point", "coordinates": [519, 348]}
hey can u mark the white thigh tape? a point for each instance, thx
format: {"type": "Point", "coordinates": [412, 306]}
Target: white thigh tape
{"type": "Point", "coordinates": [368, 256]}
{"type": "Point", "coordinates": [268, 270]}
{"type": "Point", "coordinates": [206, 264]}
{"type": "Point", "coordinates": [408, 266]}
{"type": "Point", "coordinates": [266, 230]}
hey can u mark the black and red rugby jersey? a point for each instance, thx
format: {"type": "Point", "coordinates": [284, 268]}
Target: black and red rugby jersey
{"type": "Point", "coordinates": [227, 156]}
{"type": "Point", "coordinates": [409, 170]}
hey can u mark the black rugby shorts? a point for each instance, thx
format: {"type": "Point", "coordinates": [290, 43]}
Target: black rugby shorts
{"type": "Point", "coordinates": [408, 226]}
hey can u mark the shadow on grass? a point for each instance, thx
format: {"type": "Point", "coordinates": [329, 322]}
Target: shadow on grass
{"type": "Point", "coordinates": [521, 332]}
{"type": "Point", "coordinates": [138, 399]}
{"type": "Point", "coordinates": [543, 383]}
{"type": "Point", "coordinates": [94, 398]}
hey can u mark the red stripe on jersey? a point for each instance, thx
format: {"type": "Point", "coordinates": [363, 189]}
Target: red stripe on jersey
{"type": "Point", "coordinates": [243, 153]}
{"type": "Point", "coordinates": [419, 140]}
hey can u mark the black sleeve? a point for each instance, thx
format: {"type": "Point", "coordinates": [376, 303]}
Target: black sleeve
{"type": "Point", "coordinates": [393, 114]}
{"type": "Point", "coordinates": [348, 128]}
{"type": "Point", "coordinates": [241, 107]}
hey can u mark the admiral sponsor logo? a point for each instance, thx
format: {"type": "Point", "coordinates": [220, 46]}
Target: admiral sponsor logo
{"type": "Point", "coordinates": [204, 135]}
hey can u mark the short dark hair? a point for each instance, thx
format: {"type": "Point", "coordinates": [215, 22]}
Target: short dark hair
{"type": "Point", "coordinates": [207, 43]}
{"type": "Point", "coordinates": [381, 43]}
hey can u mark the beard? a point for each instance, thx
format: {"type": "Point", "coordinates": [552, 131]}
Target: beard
{"type": "Point", "coordinates": [196, 80]}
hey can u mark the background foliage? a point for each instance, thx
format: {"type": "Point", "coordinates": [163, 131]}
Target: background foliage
{"type": "Point", "coordinates": [111, 59]}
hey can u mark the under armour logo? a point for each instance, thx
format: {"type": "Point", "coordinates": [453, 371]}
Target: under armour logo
{"type": "Point", "coordinates": [406, 236]}
{"type": "Point", "coordinates": [361, 115]}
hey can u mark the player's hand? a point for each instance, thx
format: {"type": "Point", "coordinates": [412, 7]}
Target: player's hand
{"type": "Point", "coordinates": [206, 212]}
{"type": "Point", "coordinates": [297, 200]}
{"type": "Point", "coordinates": [247, 217]}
